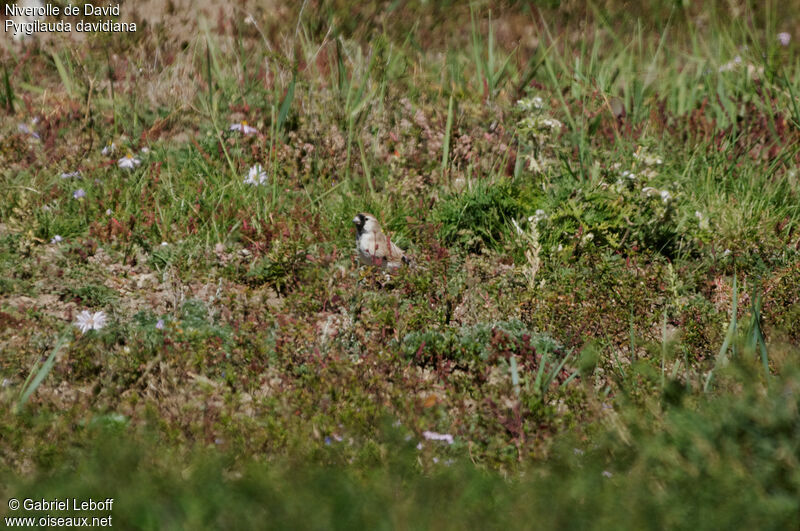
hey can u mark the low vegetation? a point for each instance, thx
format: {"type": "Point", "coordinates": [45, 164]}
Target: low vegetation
{"type": "Point", "coordinates": [600, 329]}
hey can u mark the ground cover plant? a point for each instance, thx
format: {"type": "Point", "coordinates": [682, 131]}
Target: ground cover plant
{"type": "Point", "coordinates": [599, 329]}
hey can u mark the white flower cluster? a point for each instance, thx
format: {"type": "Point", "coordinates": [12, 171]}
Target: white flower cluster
{"type": "Point", "coordinates": [642, 155]}
{"type": "Point", "coordinates": [530, 104]}
{"type": "Point", "coordinates": [650, 191]}
{"type": "Point", "coordinates": [539, 124]}
{"type": "Point", "coordinates": [257, 176]}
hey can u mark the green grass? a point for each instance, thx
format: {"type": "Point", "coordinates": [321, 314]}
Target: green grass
{"type": "Point", "coordinates": [601, 205]}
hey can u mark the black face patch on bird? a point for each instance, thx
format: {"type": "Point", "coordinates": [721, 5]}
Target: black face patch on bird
{"type": "Point", "coordinates": [359, 221]}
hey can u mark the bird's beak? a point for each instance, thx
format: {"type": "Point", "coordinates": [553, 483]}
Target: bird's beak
{"type": "Point", "coordinates": [356, 220]}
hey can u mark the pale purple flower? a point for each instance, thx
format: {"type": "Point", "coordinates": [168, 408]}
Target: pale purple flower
{"type": "Point", "coordinates": [91, 321]}
{"type": "Point", "coordinates": [433, 436]}
{"type": "Point", "coordinates": [128, 162]}
{"type": "Point", "coordinates": [23, 128]}
{"type": "Point", "coordinates": [109, 149]}
{"type": "Point", "coordinates": [607, 474]}
{"type": "Point", "coordinates": [108, 212]}
{"type": "Point", "coordinates": [79, 193]}
{"type": "Point", "coordinates": [57, 239]}
{"type": "Point", "coordinates": [160, 324]}
{"type": "Point", "coordinates": [784, 38]}
{"type": "Point", "coordinates": [243, 128]}
{"type": "Point", "coordinates": [256, 176]}
{"type": "Point", "coordinates": [76, 174]}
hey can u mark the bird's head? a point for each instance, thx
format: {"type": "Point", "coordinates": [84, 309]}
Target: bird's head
{"type": "Point", "coordinates": [365, 223]}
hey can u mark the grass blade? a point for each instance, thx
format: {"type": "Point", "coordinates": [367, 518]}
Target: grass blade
{"type": "Point", "coordinates": [287, 101]}
{"type": "Point", "coordinates": [62, 72]}
{"type": "Point", "coordinates": [44, 370]}
{"type": "Point", "coordinates": [447, 131]}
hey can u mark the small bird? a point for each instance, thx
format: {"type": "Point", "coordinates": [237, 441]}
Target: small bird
{"type": "Point", "coordinates": [374, 247]}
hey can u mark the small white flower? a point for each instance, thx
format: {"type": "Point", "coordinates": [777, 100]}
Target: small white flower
{"type": "Point", "coordinates": [665, 196]}
{"type": "Point", "coordinates": [76, 174]}
{"type": "Point", "coordinates": [730, 65]}
{"type": "Point", "coordinates": [243, 128]}
{"type": "Point", "coordinates": [607, 474]}
{"type": "Point", "coordinates": [250, 20]}
{"type": "Point", "coordinates": [552, 123]}
{"type": "Point", "coordinates": [91, 321]}
{"type": "Point", "coordinates": [128, 162]}
{"type": "Point", "coordinates": [529, 104]}
{"type": "Point", "coordinates": [649, 190]}
{"type": "Point", "coordinates": [433, 436]}
{"type": "Point", "coordinates": [145, 149]}
{"type": "Point", "coordinates": [164, 244]}
{"type": "Point", "coordinates": [160, 324]}
{"type": "Point", "coordinates": [703, 220]}
{"type": "Point", "coordinates": [108, 212]}
{"type": "Point", "coordinates": [629, 175]}
{"type": "Point", "coordinates": [648, 159]}
{"type": "Point", "coordinates": [57, 239]}
{"type": "Point", "coordinates": [109, 149]}
{"type": "Point", "coordinates": [79, 193]}
{"type": "Point", "coordinates": [256, 176]}
{"type": "Point", "coordinates": [784, 38]}
{"type": "Point", "coordinates": [419, 446]}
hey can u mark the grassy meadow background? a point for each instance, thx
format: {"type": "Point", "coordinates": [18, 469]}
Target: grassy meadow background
{"type": "Point", "coordinates": [601, 330]}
